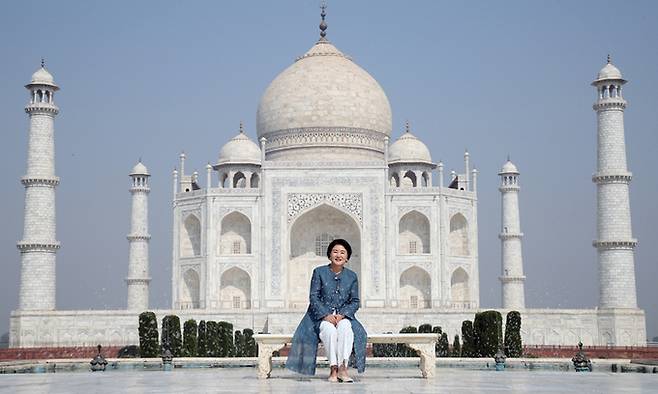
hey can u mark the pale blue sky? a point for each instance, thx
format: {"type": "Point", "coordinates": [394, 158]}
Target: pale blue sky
{"type": "Point", "coordinates": [151, 78]}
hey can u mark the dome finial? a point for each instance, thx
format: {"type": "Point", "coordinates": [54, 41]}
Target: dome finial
{"type": "Point", "coordinates": [241, 128]}
{"type": "Point", "coordinates": [323, 24]}
{"type": "Point", "coordinates": [406, 126]}
{"type": "Point", "coordinates": [609, 59]}
{"type": "Point", "coordinates": [43, 63]}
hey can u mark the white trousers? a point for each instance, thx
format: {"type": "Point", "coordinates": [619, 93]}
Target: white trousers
{"type": "Point", "coordinates": [337, 341]}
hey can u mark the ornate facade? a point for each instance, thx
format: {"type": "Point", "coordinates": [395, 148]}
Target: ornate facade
{"type": "Point", "coordinates": [324, 166]}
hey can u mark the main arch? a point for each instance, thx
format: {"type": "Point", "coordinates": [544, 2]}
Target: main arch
{"type": "Point", "coordinates": [310, 234]}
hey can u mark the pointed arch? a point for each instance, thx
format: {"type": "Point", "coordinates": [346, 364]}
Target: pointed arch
{"type": "Point", "coordinates": [458, 241]}
{"type": "Point", "coordinates": [459, 287]}
{"type": "Point", "coordinates": [239, 180]}
{"type": "Point", "coordinates": [235, 237]}
{"type": "Point", "coordinates": [415, 288]}
{"type": "Point", "coordinates": [409, 179]}
{"type": "Point", "coordinates": [395, 180]}
{"type": "Point", "coordinates": [235, 289]}
{"type": "Point", "coordinates": [310, 233]}
{"type": "Point", "coordinates": [254, 181]}
{"type": "Point", "coordinates": [190, 237]}
{"type": "Point", "coordinates": [414, 233]}
{"type": "Point", "coordinates": [426, 179]}
{"type": "Point", "coordinates": [190, 290]}
{"type": "Point", "coordinates": [224, 180]}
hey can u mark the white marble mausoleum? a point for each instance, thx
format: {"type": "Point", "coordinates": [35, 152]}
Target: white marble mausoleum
{"type": "Point", "coordinates": [324, 164]}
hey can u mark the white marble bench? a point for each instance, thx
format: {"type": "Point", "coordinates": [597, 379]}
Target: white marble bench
{"type": "Point", "coordinates": [423, 344]}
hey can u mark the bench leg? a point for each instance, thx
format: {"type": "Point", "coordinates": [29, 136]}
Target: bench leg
{"type": "Point", "coordinates": [265, 359]}
{"type": "Point", "coordinates": [427, 358]}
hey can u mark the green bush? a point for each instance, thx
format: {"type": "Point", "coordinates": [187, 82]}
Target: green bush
{"type": "Point", "coordinates": [404, 350]}
{"type": "Point", "coordinates": [249, 343]}
{"type": "Point", "coordinates": [239, 343]}
{"type": "Point", "coordinates": [171, 335]}
{"type": "Point", "coordinates": [148, 335]}
{"type": "Point", "coordinates": [214, 344]}
{"type": "Point", "coordinates": [513, 345]}
{"type": "Point", "coordinates": [425, 328]}
{"type": "Point", "coordinates": [189, 338]}
{"type": "Point", "coordinates": [437, 330]}
{"type": "Point", "coordinates": [226, 339]}
{"type": "Point", "coordinates": [468, 338]}
{"type": "Point", "coordinates": [444, 346]}
{"type": "Point", "coordinates": [202, 340]}
{"type": "Point", "coordinates": [488, 328]}
{"type": "Point", "coordinates": [456, 347]}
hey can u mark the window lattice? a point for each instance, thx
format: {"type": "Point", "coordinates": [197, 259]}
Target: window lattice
{"type": "Point", "coordinates": [237, 302]}
{"type": "Point", "coordinates": [413, 247]}
{"type": "Point", "coordinates": [322, 242]}
{"type": "Point", "coordinates": [236, 247]}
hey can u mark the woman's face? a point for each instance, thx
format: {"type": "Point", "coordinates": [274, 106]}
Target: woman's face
{"type": "Point", "coordinates": [338, 255]}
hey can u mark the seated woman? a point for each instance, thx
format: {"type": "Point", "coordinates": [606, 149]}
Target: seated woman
{"type": "Point", "coordinates": [333, 302]}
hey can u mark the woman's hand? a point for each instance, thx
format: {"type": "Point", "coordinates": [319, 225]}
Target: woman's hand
{"type": "Point", "coordinates": [333, 319]}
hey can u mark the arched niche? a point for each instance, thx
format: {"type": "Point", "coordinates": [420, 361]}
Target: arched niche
{"type": "Point", "coordinates": [235, 236]}
{"type": "Point", "coordinates": [409, 179]}
{"type": "Point", "coordinates": [414, 233]}
{"type": "Point", "coordinates": [310, 233]}
{"type": "Point", "coordinates": [458, 241]}
{"type": "Point", "coordinates": [395, 180]}
{"type": "Point", "coordinates": [190, 290]}
{"type": "Point", "coordinates": [190, 237]}
{"type": "Point", "coordinates": [235, 289]}
{"type": "Point", "coordinates": [459, 288]}
{"type": "Point", "coordinates": [254, 181]}
{"type": "Point", "coordinates": [239, 180]}
{"type": "Point", "coordinates": [415, 289]}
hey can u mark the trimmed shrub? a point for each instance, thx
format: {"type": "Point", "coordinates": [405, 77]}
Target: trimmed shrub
{"type": "Point", "coordinates": [249, 343]}
{"type": "Point", "coordinates": [488, 328]}
{"type": "Point", "coordinates": [202, 340]}
{"type": "Point", "coordinates": [513, 345]}
{"type": "Point", "coordinates": [444, 345]}
{"type": "Point", "coordinates": [437, 330]}
{"type": "Point", "coordinates": [226, 339]}
{"type": "Point", "coordinates": [456, 347]}
{"type": "Point", "coordinates": [468, 338]}
{"type": "Point", "coordinates": [404, 350]}
{"type": "Point", "coordinates": [171, 335]}
{"type": "Point", "coordinates": [239, 343]}
{"type": "Point", "coordinates": [148, 335]}
{"type": "Point", "coordinates": [425, 328]}
{"type": "Point", "coordinates": [214, 347]}
{"type": "Point", "coordinates": [189, 338]}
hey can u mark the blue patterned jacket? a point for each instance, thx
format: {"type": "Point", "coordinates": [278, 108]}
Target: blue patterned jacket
{"type": "Point", "coordinates": [329, 292]}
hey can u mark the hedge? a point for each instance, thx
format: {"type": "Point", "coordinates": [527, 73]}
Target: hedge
{"type": "Point", "coordinates": [202, 340]}
{"type": "Point", "coordinates": [171, 335]}
{"type": "Point", "coordinates": [190, 338]}
{"type": "Point", "coordinates": [488, 328]}
{"type": "Point", "coordinates": [513, 345]}
{"type": "Point", "coordinates": [148, 335]}
{"type": "Point", "coordinates": [468, 338]}
{"type": "Point", "coordinates": [456, 347]}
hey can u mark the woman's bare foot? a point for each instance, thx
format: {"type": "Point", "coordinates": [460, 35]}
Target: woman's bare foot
{"type": "Point", "coordinates": [333, 375]}
{"type": "Point", "coordinates": [343, 375]}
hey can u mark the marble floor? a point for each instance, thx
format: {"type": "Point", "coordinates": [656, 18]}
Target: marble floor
{"type": "Point", "coordinates": [375, 380]}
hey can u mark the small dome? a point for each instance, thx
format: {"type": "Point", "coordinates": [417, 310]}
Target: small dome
{"type": "Point", "coordinates": [42, 77]}
{"type": "Point", "coordinates": [140, 169]}
{"type": "Point", "coordinates": [409, 149]}
{"type": "Point", "coordinates": [509, 168]}
{"type": "Point", "coordinates": [609, 71]}
{"type": "Point", "coordinates": [239, 150]}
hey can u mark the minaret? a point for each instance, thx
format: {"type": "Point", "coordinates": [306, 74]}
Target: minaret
{"type": "Point", "coordinates": [138, 239]}
{"type": "Point", "coordinates": [39, 245]}
{"type": "Point", "coordinates": [615, 242]}
{"type": "Point", "coordinates": [512, 278]}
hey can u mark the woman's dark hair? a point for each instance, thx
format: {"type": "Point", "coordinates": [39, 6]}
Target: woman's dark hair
{"type": "Point", "coordinates": [342, 243]}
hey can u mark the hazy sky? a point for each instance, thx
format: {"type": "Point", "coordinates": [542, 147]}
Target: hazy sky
{"type": "Point", "coordinates": [151, 78]}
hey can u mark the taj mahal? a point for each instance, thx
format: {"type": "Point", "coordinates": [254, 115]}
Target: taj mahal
{"type": "Point", "coordinates": [325, 164]}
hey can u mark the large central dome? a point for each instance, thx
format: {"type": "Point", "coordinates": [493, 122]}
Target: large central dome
{"type": "Point", "coordinates": [324, 101]}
